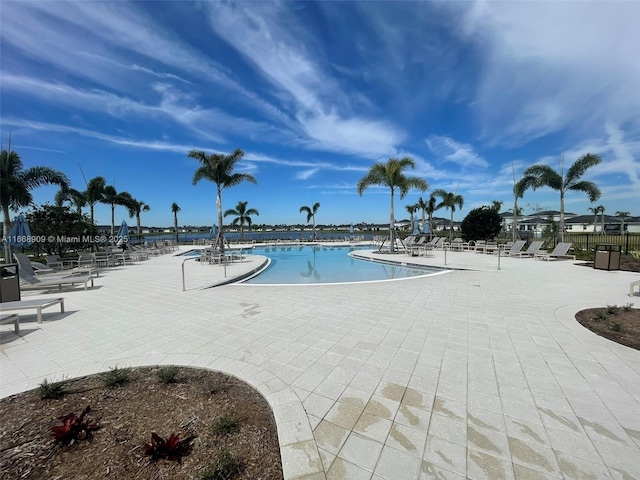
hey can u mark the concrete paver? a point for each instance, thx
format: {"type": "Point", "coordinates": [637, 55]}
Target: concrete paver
{"type": "Point", "coordinates": [472, 373]}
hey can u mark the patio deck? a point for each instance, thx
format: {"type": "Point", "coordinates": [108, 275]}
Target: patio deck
{"type": "Point", "coordinates": [478, 373]}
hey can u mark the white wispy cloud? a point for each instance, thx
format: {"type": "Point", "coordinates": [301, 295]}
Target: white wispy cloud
{"type": "Point", "coordinates": [262, 34]}
{"type": "Point", "coordinates": [550, 66]}
{"type": "Point", "coordinates": [449, 150]}
{"type": "Point", "coordinates": [95, 41]}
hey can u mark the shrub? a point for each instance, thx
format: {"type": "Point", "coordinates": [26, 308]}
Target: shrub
{"type": "Point", "coordinates": [172, 448]}
{"type": "Point", "coordinates": [73, 428]}
{"type": "Point", "coordinates": [224, 467]}
{"type": "Point", "coordinates": [168, 374]}
{"type": "Point", "coordinates": [225, 425]}
{"type": "Point", "coordinates": [628, 307]}
{"type": "Point", "coordinates": [617, 327]}
{"type": "Point", "coordinates": [482, 223]}
{"type": "Point", "coordinates": [601, 316]}
{"type": "Point", "coordinates": [115, 377]}
{"type": "Point", "coordinates": [49, 390]}
{"type": "Point", "coordinates": [612, 309]}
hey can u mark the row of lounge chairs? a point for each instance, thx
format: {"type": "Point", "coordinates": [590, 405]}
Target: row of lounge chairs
{"type": "Point", "coordinates": [59, 273]}
{"type": "Point", "coordinates": [420, 246]}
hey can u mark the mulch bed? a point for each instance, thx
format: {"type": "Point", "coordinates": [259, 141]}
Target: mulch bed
{"type": "Point", "coordinates": [223, 422]}
{"type": "Point", "coordinates": [618, 324]}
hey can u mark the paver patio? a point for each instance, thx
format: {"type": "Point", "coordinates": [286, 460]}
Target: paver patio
{"type": "Point", "coordinates": [480, 373]}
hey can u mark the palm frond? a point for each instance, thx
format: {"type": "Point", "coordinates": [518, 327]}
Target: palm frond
{"type": "Point", "coordinates": [580, 166]}
{"type": "Point", "coordinates": [590, 188]}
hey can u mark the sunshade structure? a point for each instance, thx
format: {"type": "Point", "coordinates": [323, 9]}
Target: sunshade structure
{"type": "Point", "coordinates": [214, 232]}
{"type": "Point", "coordinates": [19, 236]}
{"type": "Point", "coordinates": [426, 229]}
{"type": "Point", "coordinates": [416, 229]}
{"type": "Point", "coordinates": [351, 229]}
{"type": "Point", "coordinates": [123, 234]}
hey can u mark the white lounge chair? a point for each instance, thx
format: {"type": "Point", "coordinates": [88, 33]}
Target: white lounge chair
{"type": "Point", "coordinates": [29, 281]}
{"type": "Point", "coordinates": [33, 303]}
{"type": "Point", "coordinates": [632, 287]}
{"type": "Point", "coordinates": [559, 252]}
{"type": "Point", "coordinates": [515, 248]}
{"type": "Point", "coordinates": [529, 252]}
{"type": "Point", "coordinates": [11, 318]}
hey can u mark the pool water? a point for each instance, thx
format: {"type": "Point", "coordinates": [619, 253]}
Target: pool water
{"type": "Point", "coordinates": [298, 264]}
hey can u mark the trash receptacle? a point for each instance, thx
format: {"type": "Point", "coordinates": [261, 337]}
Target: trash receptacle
{"type": "Point", "coordinates": [9, 283]}
{"type": "Point", "coordinates": [607, 257]}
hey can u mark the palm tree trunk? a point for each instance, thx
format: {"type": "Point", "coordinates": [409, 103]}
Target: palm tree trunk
{"type": "Point", "coordinates": [138, 224]}
{"type": "Point", "coordinates": [561, 226]}
{"type": "Point", "coordinates": [514, 227]}
{"type": "Point", "coordinates": [595, 221]}
{"type": "Point", "coordinates": [313, 227]}
{"type": "Point", "coordinates": [220, 225]}
{"type": "Point", "coordinates": [6, 225]}
{"type": "Point", "coordinates": [451, 227]}
{"type": "Point", "coordinates": [602, 218]}
{"type": "Point", "coordinates": [391, 224]}
{"type": "Point", "coordinates": [113, 219]}
{"type": "Point", "coordinates": [175, 224]}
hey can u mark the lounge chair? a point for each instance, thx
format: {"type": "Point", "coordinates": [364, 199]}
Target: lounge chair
{"type": "Point", "coordinates": [515, 248]}
{"type": "Point", "coordinates": [559, 252]}
{"type": "Point", "coordinates": [457, 244]}
{"type": "Point", "coordinates": [33, 303]}
{"type": "Point", "coordinates": [529, 252]}
{"type": "Point", "coordinates": [33, 269]}
{"type": "Point", "coordinates": [29, 281]}
{"type": "Point", "coordinates": [58, 263]}
{"type": "Point", "coordinates": [11, 318]}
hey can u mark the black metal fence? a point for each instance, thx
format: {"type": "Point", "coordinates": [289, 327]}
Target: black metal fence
{"type": "Point", "coordinates": [588, 241]}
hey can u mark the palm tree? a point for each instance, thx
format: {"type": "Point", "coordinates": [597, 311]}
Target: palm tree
{"type": "Point", "coordinates": [601, 209]}
{"type": "Point", "coordinates": [449, 200]}
{"type": "Point", "coordinates": [432, 206]}
{"type": "Point", "coordinates": [519, 188]}
{"type": "Point", "coordinates": [16, 184]}
{"type": "Point", "coordinates": [135, 208]}
{"type": "Point", "coordinates": [218, 168]}
{"type": "Point", "coordinates": [175, 209]}
{"type": "Point", "coordinates": [113, 198]}
{"type": "Point", "coordinates": [412, 209]}
{"type": "Point", "coordinates": [391, 174]}
{"type": "Point", "coordinates": [243, 216]}
{"type": "Point", "coordinates": [422, 206]}
{"type": "Point", "coordinates": [544, 175]}
{"type": "Point", "coordinates": [94, 193]}
{"type": "Point", "coordinates": [595, 211]}
{"type": "Point", "coordinates": [496, 205]}
{"type": "Point", "coordinates": [73, 196]}
{"type": "Point", "coordinates": [622, 216]}
{"type": "Point", "coordinates": [311, 215]}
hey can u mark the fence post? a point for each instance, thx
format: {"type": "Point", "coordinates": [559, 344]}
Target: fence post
{"type": "Point", "coordinates": [626, 250]}
{"type": "Point", "coordinates": [587, 242]}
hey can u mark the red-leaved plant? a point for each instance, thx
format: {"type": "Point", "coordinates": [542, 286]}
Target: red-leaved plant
{"type": "Point", "coordinates": [74, 428]}
{"type": "Point", "coordinates": [172, 448]}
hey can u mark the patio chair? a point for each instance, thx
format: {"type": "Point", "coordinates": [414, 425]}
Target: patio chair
{"type": "Point", "coordinates": [515, 248]}
{"type": "Point", "coordinates": [559, 252]}
{"type": "Point", "coordinates": [529, 252]}
{"type": "Point", "coordinates": [457, 244]}
{"type": "Point", "coordinates": [58, 263]}
{"type": "Point", "coordinates": [29, 281]}
{"type": "Point", "coordinates": [632, 287]}
{"type": "Point", "coordinates": [30, 270]}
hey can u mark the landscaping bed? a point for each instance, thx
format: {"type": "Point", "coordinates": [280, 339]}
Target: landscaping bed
{"type": "Point", "coordinates": [226, 429]}
{"type": "Point", "coordinates": [619, 324]}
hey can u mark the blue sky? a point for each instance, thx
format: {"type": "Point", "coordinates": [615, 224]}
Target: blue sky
{"type": "Point", "coordinates": [317, 92]}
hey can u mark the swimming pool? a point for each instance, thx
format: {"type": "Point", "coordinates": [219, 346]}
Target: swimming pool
{"type": "Point", "coordinates": [297, 264]}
